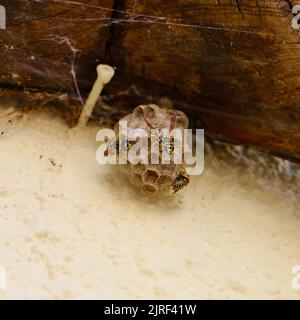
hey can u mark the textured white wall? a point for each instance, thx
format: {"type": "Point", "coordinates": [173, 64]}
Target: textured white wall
{"type": "Point", "coordinates": [72, 229]}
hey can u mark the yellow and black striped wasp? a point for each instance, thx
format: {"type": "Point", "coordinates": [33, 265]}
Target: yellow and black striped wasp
{"type": "Point", "coordinates": [182, 180]}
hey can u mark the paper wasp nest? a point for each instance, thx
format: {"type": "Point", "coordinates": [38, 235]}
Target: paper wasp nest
{"type": "Point", "coordinates": [156, 179]}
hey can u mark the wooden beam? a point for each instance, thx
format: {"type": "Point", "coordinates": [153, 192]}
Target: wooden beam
{"type": "Point", "coordinates": [233, 66]}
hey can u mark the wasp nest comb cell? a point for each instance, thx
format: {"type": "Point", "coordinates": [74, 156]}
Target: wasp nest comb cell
{"type": "Point", "coordinates": [162, 133]}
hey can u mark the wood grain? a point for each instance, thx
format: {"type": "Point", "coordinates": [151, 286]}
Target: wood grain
{"type": "Point", "coordinates": [232, 65]}
{"type": "Point", "coordinates": [46, 42]}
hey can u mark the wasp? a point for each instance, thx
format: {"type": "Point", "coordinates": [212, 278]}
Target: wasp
{"type": "Point", "coordinates": [123, 145]}
{"type": "Point", "coordinates": [166, 143]}
{"type": "Point", "coordinates": [182, 180]}
{"type": "Point", "coordinates": [120, 145]}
